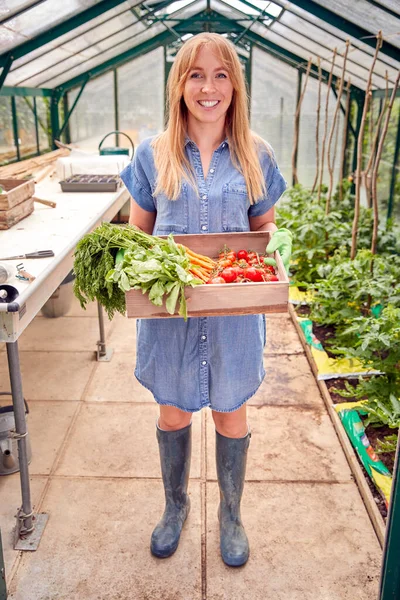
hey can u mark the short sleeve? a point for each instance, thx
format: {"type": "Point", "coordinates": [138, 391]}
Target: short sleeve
{"type": "Point", "coordinates": [275, 185]}
{"type": "Point", "coordinates": [136, 177]}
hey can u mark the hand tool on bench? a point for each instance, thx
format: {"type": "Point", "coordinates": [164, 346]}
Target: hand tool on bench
{"type": "Point", "coordinates": [38, 254]}
{"type": "Point", "coordinates": [46, 202]}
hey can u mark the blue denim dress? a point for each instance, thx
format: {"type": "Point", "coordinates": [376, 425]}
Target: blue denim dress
{"type": "Point", "coordinates": [208, 361]}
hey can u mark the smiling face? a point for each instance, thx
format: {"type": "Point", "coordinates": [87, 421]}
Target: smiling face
{"type": "Point", "coordinates": [208, 89]}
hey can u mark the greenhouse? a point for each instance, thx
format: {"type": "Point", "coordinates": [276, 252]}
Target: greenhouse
{"type": "Point", "coordinates": [119, 119]}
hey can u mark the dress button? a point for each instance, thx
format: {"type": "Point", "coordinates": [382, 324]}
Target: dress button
{"type": "Point", "coordinates": [203, 337]}
{"type": "Point", "coordinates": [203, 362]}
{"type": "Point", "coordinates": [204, 227]}
{"type": "Point", "coordinates": [212, 170]}
{"type": "Point", "coordinates": [204, 197]}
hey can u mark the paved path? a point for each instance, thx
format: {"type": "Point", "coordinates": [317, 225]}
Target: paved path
{"type": "Point", "coordinates": [95, 471]}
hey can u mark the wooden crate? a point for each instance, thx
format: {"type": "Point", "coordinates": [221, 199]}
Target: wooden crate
{"type": "Point", "coordinates": [224, 299]}
{"type": "Point", "coordinates": [15, 191]}
{"type": "Point", "coordinates": [10, 217]}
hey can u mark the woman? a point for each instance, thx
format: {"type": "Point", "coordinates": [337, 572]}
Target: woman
{"type": "Point", "coordinates": [206, 173]}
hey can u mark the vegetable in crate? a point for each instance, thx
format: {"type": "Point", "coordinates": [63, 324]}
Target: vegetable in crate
{"type": "Point", "coordinates": [157, 266]}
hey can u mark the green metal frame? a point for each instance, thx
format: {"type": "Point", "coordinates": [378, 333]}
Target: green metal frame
{"type": "Point", "coordinates": [298, 95]}
{"type": "Point", "coordinates": [67, 117]}
{"type": "Point", "coordinates": [6, 69]}
{"type": "Point", "coordinates": [25, 91]}
{"type": "Point", "coordinates": [3, 586]}
{"type": "Point", "coordinates": [396, 163]}
{"type": "Point", "coordinates": [390, 576]}
{"type": "Point", "coordinates": [15, 126]}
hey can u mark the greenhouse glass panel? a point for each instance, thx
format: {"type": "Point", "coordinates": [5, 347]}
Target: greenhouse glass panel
{"type": "Point", "coordinates": [311, 21]}
{"type": "Point", "coordinates": [74, 34]}
{"type": "Point", "coordinates": [8, 150]}
{"type": "Point", "coordinates": [190, 10]}
{"type": "Point", "coordinates": [44, 125]}
{"type": "Point", "coordinates": [385, 172]}
{"type": "Point", "coordinates": [104, 56]}
{"type": "Point", "coordinates": [227, 11]}
{"type": "Point", "coordinates": [306, 160]}
{"type": "Point", "coordinates": [273, 105]}
{"type": "Point", "coordinates": [39, 19]}
{"type": "Point", "coordinates": [26, 126]}
{"type": "Point", "coordinates": [141, 97]}
{"type": "Point", "coordinates": [366, 15]}
{"type": "Point", "coordinates": [94, 114]}
{"type": "Point", "coordinates": [299, 51]}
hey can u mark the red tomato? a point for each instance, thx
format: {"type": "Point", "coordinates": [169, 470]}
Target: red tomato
{"type": "Point", "coordinates": [229, 275]}
{"type": "Point", "coordinates": [251, 255]}
{"type": "Point", "coordinates": [238, 270]}
{"type": "Point", "coordinates": [225, 263]}
{"type": "Point", "coordinates": [242, 255]}
{"type": "Point", "coordinates": [216, 280]}
{"type": "Point", "coordinates": [254, 274]}
{"type": "Point", "coordinates": [274, 278]}
{"type": "Point", "coordinates": [231, 256]}
{"type": "Point", "coordinates": [269, 268]}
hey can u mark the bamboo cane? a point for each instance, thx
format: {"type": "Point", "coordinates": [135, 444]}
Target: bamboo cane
{"type": "Point", "coordinates": [344, 139]}
{"type": "Point", "coordinates": [328, 91]}
{"type": "Point", "coordinates": [359, 150]}
{"type": "Point", "coordinates": [365, 173]}
{"type": "Point", "coordinates": [297, 124]}
{"type": "Point", "coordinates": [376, 166]}
{"type": "Point", "coordinates": [317, 126]}
{"type": "Point", "coordinates": [333, 126]}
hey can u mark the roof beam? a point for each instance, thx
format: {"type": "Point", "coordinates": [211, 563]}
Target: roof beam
{"type": "Point", "coordinates": [25, 91]}
{"type": "Point", "coordinates": [347, 26]}
{"type": "Point", "coordinates": [61, 29]}
{"type": "Point", "coordinates": [159, 40]}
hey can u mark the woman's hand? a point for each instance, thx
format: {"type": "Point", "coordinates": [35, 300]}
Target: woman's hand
{"type": "Point", "coordinates": [281, 240]}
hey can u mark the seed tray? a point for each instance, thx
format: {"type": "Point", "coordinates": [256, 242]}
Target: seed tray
{"type": "Point", "coordinates": [91, 183]}
{"type": "Point", "coordinates": [224, 299]}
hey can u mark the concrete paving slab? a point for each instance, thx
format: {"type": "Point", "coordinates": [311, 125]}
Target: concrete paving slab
{"type": "Point", "coordinates": [114, 381]}
{"type": "Point", "coordinates": [110, 440]}
{"type": "Point", "coordinates": [51, 375]}
{"type": "Point", "coordinates": [77, 311]}
{"type": "Point", "coordinates": [48, 424]}
{"type": "Point", "coordinates": [96, 545]}
{"type": "Point", "coordinates": [307, 542]}
{"type": "Point", "coordinates": [288, 444]}
{"type": "Point", "coordinates": [288, 381]}
{"type": "Point", "coordinates": [282, 336]}
{"type": "Point", "coordinates": [123, 335]}
{"type": "Point", "coordinates": [66, 334]}
{"type": "Point", "coordinates": [10, 502]}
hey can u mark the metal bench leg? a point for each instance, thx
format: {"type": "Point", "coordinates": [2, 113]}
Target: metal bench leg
{"type": "Point", "coordinates": [103, 355]}
{"type": "Point", "coordinates": [29, 527]}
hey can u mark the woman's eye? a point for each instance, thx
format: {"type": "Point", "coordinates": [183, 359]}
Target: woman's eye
{"type": "Point", "coordinates": [222, 76]}
{"type": "Point", "coordinates": [195, 75]}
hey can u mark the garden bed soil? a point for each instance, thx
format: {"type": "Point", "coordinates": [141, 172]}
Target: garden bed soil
{"type": "Point", "coordinates": [324, 334]}
{"type": "Point", "coordinates": [373, 433]}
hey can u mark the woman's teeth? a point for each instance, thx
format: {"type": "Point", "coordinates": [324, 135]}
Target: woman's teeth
{"type": "Point", "coordinates": [208, 103]}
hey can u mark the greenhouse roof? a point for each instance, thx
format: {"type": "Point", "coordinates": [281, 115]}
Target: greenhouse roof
{"type": "Point", "coordinates": [47, 44]}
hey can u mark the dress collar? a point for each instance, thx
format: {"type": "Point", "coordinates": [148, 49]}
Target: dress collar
{"type": "Point", "coordinates": [189, 141]}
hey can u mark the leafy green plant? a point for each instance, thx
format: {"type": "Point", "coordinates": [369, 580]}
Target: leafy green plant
{"type": "Point", "coordinates": [388, 444]}
{"type": "Point", "coordinates": [347, 289]}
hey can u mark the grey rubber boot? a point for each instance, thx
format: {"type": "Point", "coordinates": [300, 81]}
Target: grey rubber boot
{"type": "Point", "coordinates": [175, 450]}
{"type": "Point", "coordinates": [231, 455]}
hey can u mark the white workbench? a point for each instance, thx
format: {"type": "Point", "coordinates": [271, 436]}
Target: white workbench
{"type": "Point", "coordinates": [58, 229]}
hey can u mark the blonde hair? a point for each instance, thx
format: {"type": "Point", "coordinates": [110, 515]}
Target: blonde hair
{"type": "Point", "coordinates": [169, 148]}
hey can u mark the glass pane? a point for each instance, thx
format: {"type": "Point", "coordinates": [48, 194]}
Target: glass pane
{"type": "Point", "coordinates": [7, 148]}
{"type": "Point", "coordinates": [141, 98]}
{"type": "Point", "coordinates": [41, 18]}
{"type": "Point", "coordinates": [86, 64]}
{"type": "Point", "coordinates": [122, 10]}
{"type": "Point", "coordinates": [26, 126]}
{"type": "Point", "coordinates": [94, 115]}
{"type": "Point", "coordinates": [273, 104]}
{"type": "Point", "coordinates": [366, 15]}
{"type": "Point", "coordinates": [307, 148]}
{"type": "Point", "coordinates": [312, 21]}
{"type": "Point", "coordinates": [44, 123]}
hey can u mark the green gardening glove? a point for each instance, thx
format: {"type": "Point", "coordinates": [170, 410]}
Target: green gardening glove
{"type": "Point", "coordinates": [281, 240]}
